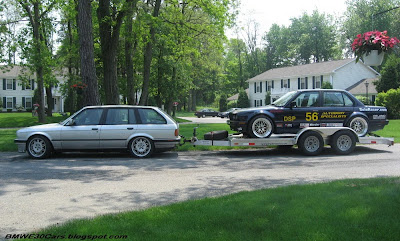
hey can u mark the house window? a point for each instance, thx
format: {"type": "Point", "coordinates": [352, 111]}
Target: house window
{"type": "Point", "coordinates": [9, 101]}
{"type": "Point", "coordinates": [28, 102]}
{"type": "Point", "coordinates": [9, 85]}
{"type": "Point", "coordinates": [318, 82]}
{"type": "Point", "coordinates": [258, 89]}
{"type": "Point", "coordinates": [257, 103]}
{"type": "Point", "coordinates": [303, 84]}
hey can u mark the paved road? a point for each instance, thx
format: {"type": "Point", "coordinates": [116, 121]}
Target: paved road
{"type": "Point", "coordinates": [38, 193]}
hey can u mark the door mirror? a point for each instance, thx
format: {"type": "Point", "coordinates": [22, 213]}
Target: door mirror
{"type": "Point", "coordinates": [293, 104]}
{"type": "Point", "coordinates": [71, 122]}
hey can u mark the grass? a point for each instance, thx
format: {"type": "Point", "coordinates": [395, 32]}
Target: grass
{"type": "Point", "coordinates": [340, 210]}
{"type": "Point", "coordinates": [391, 130]}
{"type": "Point", "coordinates": [7, 140]}
{"type": "Point", "coordinates": [23, 119]}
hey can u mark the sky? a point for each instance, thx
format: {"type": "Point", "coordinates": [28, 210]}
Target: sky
{"type": "Point", "coordinates": [268, 12]}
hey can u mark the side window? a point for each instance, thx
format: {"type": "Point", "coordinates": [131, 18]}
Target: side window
{"type": "Point", "coordinates": [307, 99]}
{"type": "Point", "coordinates": [88, 117]}
{"type": "Point", "coordinates": [117, 117]}
{"type": "Point", "coordinates": [332, 99]}
{"type": "Point", "coordinates": [150, 116]}
{"type": "Point", "coordinates": [347, 101]}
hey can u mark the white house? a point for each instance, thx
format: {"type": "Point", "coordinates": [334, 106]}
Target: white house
{"type": "Point", "coordinates": [342, 74]}
{"type": "Point", "coordinates": [18, 95]}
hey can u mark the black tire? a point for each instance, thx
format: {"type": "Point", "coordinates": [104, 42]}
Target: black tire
{"type": "Point", "coordinates": [261, 127]}
{"type": "Point", "coordinates": [216, 135]}
{"type": "Point", "coordinates": [360, 125]}
{"type": "Point", "coordinates": [39, 147]}
{"type": "Point", "coordinates": [311, 143]}
{"type": "Point", "coordinates": [141, 147]}
{"type": "Point", "coordinates": [343, 142]}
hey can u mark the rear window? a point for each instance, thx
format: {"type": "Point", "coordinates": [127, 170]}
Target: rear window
{"type": "Point", "coordinates": [150, 116]}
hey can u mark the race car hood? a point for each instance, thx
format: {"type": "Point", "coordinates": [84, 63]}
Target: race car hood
{"type": "Point", "coordinates": [256, 109]}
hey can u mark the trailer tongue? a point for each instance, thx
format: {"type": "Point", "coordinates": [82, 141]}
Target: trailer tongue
{"type": "Point", "coordinates": [310, 140]}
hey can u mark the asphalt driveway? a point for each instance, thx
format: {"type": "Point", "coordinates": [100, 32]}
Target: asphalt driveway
{"type": "Point", "coordinates": [38, 193]}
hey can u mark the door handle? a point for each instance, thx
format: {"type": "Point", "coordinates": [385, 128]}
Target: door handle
{"type": "Point", "coordinates": [95, 129]}
{"type": "Point", "coordinates": [130, 128]}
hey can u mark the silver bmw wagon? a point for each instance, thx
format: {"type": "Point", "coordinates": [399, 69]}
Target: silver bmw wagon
{"type": "Point", "coordinates": [140, 129]}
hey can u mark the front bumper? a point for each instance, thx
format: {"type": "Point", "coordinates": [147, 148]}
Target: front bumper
{"type": "Point", "coordinates": [21, 145]}
{"type": "Point", "coordinates": [236, 125]}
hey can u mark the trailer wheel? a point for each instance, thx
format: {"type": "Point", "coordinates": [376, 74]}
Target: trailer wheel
{"type": "Point", "coordinates": [343, 142]}
{"type": "Point", "coordinates": [311, 143]}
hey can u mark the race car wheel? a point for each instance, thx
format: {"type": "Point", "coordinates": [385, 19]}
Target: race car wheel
{"type": "Point", "coordinates": [359, 125]}
{"type": "Point", "coordinates": [343, 142]}
{"type": "Point", "coordinates": [141, 147]}
{"type": "Point", "coordinates": [311, 143]}
{"type": "Point", "coordinates": [39, 147]}
{"type": "Point", "coordinates": [261, 127]}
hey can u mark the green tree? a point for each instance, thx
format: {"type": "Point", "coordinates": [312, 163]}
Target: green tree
{"type": "Point", "coordinates": [38, 49]}
{"type": "Point", "coordinates": [314, 38]}
{"type": "Point", "coordinates": [362, 16]}
{"type": "Point", "coordinates": [390, 75]}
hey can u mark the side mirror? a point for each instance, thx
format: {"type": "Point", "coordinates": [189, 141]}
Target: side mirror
{"type": "Point", "coordinates": [293, 105]}
{"type": "Point", "coordinates": [71, 122]}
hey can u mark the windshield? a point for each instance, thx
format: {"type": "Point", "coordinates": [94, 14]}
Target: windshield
{"type": "Point", "coordinates": [284, 99]}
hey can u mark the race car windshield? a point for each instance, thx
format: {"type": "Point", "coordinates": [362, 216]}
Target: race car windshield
{"type": "Point", "coordinates": [284, 99]}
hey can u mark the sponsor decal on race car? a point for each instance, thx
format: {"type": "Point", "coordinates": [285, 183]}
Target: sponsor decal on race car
{"type": "Point", "coordinates": [379, 117]}
{"type": "Point", "coordinates": [333, 115]}
{"type": "Point", "coordinates": [372, 109]}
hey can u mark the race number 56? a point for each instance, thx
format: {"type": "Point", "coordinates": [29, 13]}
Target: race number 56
{"type": "Point", "coordinates": [311, 116]}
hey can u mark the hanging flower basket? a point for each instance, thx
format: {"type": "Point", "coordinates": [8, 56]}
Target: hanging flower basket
{"type": "Point", "coordinates": [372, 45]}
{"type": "Point", "coordinates": [374, 58]}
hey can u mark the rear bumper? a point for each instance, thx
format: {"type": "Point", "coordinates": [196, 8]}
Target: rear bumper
{"type": "Point", "coordinates": [166, 144]}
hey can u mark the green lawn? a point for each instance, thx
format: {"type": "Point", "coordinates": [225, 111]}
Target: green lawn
{"type": "Point", "coordinates": [342, 210]}
{"type": "Point", "coordinates": [391, 130]}
{"type": "Point", "coordinates": [23, 119]}
{"type": "Point", "coordinates": [7, 140]}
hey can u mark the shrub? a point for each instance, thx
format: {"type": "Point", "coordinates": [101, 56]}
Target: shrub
{"type": "Point", "coordinates": [243, 99]}
{"type": "Point", "coordinates": [363, 99]}
{"type": "Point", "coordinates": [391, 100]}
{"type": "Point", "coordinates": [222, 103]}
{"type": "Point", "coordinates": [326, 85]}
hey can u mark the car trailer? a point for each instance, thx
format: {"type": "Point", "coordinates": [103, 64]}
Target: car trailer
{"type": "Point", "coordinates": [310, 140]}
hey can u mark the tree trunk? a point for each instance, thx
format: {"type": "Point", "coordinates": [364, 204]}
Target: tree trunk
{"type": "Point", "coordinates": [148, 54]}
{"type": "Point", "coordinates": [50, 102]}
{"type": "Point", "coordinates": [88, 69]}
{"type": "Point", "coordinates": [109, 28]}
{"type": "Point", "coordinates": [39, 68]}
{"type": "Point", "coordinates": [129, 52]}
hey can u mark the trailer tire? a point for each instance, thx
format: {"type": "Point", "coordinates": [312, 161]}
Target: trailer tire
{"type": "Point", "coordinates": [343, 142]}
{"type": "Point", "coordinates": [216, 135]}
{"type": "Point", "coordinates": [311, 143]}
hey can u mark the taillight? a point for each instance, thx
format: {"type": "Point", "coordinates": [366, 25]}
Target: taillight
{"type": "Point", "coordinates": [176, 132]}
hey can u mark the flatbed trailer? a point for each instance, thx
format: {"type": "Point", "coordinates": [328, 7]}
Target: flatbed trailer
{"type": "Point", "coordinates": [311, 140]}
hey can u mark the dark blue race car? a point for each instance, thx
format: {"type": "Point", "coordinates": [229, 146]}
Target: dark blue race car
{"type": "Point", "coordinates": [309, 108]}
